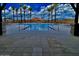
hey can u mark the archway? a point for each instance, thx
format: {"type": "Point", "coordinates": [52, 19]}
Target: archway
{"type": "Point", "coordinates": [38, 21]}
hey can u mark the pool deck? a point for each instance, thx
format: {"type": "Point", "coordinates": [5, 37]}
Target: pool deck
{"type": "Point", "coordinates": [39, 43]}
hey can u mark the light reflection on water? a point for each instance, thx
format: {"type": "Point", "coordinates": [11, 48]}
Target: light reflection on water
{"type": "Point", "coordinates": [37, 26]}
{"type": "Point", "coordinates": [43, 26]}
{"type": "Point", "coordinates": [16, 28]}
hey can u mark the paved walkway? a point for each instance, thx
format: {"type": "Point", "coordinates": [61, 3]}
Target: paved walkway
{"type": "Point", "coordinates": [38, 43]}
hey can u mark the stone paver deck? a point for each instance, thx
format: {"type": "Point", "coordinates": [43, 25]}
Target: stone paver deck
{"type": "Point", "coordinates": [38, 43]}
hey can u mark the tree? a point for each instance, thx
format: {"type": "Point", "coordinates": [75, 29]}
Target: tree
{"type": "Point", "coordinates": [13, 9]}
{"type": "Point", "coordinates": [1, 8]}
{"type": "Point", "coordinates": [76, 25]}
{"type": "Point", "coordinates": [55, 13]}
{"type": "Point", "coordinates": [49, 10]}
{"type": "Point", "coordinates": [21, 11]}
{"type": "Point", "coordinates": [17, 13]}
{"type": "Point", "coordinates": [41, 15]}
{"type": "Point", "coordinates": [53, 7]}
{"type": "Point", "coordinates": [76, 9]}
{"type": "Point", "coordinates": [30, 9]}
{"type": "Point", "coordinates": [4, 14]}
{"type": "Point", "coordinates": [24, 7]}
{"type": "Point", "coordinates": [42, 11]}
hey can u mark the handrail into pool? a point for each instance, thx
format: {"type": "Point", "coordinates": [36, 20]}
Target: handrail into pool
{"type": "Point", "coordinates": [51, 28]}
{"type": "Point", "coordinates": [25, 27]}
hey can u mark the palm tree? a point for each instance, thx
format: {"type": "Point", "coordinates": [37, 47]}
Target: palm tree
{"type": "Point", "coordinates": [42, 14]}
{"type": "Point", "coordinates": [13, 9]}
{"type": "Point", "coordinates": [17, 14]}
{"type": "Point", "coordinates": [30, 9]}
{"type": "Point", "coordinates": [21, 11]}
{"type": "Point", "coordinates": [4, 15]}
{"type": "Point", "coordinates": [53, 7]}
{"type": "Point", "coordinates": [55, 13]}
{"type": "Point", "coordinates": [49, 10]}
{"type": "Point", "coordinates": [24, 7]}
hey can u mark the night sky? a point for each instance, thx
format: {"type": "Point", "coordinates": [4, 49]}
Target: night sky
{"type": "Point", "coordinates": [35, 6]}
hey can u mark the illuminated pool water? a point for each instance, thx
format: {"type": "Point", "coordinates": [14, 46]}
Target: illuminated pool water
{"type": "Point", "coordinates": [16, 28]}
{"type": "Point", "coordinates": [38, 26]}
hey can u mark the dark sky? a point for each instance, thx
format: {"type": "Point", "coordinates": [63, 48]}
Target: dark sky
{"type": "Point", "coordinates": [35, 6]}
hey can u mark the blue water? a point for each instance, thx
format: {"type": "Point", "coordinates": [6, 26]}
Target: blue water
{"type": "Point", "coordinates": [38, 26]}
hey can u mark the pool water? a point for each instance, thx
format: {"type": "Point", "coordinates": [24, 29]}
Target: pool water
{"type": "Point", "coordinates": [16, 28]}
{"type": "Point", "coordinates": [45, 27]}
{"type": "Point", "coordinates": [38, 26]}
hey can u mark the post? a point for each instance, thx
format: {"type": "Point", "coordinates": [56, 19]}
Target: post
{"type": "Point", "coordinates": [76, 25]}
{"type": "Point", "coordinates": [1, 22]}
{"type": "Point", "coordinates": [1, 8]}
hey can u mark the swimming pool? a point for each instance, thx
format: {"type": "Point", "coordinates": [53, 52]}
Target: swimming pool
{"type": "Point", "coordinates": [16, 28]}
{"type": "Point", "coordinates": [38, 26]}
